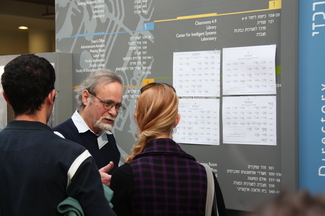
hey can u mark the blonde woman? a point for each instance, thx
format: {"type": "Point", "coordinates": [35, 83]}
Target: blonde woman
{"type": "Point", "coordinates": [159, 178]}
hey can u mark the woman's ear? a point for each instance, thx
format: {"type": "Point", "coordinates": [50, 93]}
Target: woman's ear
{"type": "Point", "coordinates": [178, 118]}
{"type": "Point", "coordinates": [136, 117]}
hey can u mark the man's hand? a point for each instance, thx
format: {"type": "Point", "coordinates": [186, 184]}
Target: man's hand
{"type": "Point", "coordinates": [106, 178]}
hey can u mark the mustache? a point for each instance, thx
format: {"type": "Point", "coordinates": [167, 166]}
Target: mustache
{"type": "Point", "coordinates": [107, 117]}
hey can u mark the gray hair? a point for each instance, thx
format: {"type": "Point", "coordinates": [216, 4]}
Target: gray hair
{"type": "Point", "coordinates": [93, 81]}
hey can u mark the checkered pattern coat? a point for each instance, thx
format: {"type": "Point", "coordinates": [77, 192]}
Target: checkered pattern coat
{"type": "Point", "coordinates": [162, 180]}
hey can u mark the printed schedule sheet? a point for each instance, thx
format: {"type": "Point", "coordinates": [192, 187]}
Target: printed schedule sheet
{"type": "Point", "coordinates": [249, 120]}
{"type": "Point", "coordinates": [196, 76]}
{"type": "Point", "coordinates": [248, 96]}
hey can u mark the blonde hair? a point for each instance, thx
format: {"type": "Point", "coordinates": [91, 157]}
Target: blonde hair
{"type": "Point", "coordinates": [156, 110]}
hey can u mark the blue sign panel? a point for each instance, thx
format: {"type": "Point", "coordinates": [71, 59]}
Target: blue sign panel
{"type": "Point", "coordinates": [312, 95]}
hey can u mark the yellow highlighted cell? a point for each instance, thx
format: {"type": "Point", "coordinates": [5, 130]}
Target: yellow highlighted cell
{"type": "Point", "coordinates": [146, 81]}
{"type": "Point", "coordinates": [277, 4]}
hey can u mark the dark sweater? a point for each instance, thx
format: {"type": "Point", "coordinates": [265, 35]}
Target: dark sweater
{"type": "Point", "coordinates": [38, 170]}
{"type": "Point", "coordinates": [102, 156]}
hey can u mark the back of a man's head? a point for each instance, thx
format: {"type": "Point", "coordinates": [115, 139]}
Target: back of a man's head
{"type": "Point", "coordinates": [27, 80]}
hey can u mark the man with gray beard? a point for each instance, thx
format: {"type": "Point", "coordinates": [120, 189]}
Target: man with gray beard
{"type": "Point", "coordinates": [99, 101]}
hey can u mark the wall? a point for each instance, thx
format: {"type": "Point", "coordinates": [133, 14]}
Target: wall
{"type": "Point", "coordinates": [30, 41]}
{"type": "Point", "coordinates": [13, 42]}
{"type": "Point", "coordinates": [41, 34]}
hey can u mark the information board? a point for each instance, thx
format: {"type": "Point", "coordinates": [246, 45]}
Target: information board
{"type": "Point", "coordinates": [226, 60]}
{"type": "Point", "coordinates": [311, 96]}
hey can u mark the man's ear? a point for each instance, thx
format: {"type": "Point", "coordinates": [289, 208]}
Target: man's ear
{"type": "Point", "coordinates": [51, 96]}
{"type": "Point", "coordinates": [85, 95]}
{"type": "Point", "coordinates": [5, 97]}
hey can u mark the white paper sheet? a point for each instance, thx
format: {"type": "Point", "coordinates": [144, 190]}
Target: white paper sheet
{"type": "Point", "coordinates": [249, 120]}
{"type": "Point", "coordinates": [197, 73]}
{"type": "Point", "coordinates": [199, 122]}
{"type": "Point", "coordinates": [249, 70]}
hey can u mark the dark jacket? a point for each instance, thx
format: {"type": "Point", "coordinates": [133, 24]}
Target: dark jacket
{"type": "Point", "coordinates": [162, 180]}
{"type": "Point", "coordinates": [38, 170]}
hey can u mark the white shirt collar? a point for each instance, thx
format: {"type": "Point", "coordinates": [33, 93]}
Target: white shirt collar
{"type": "Point", "coordinates": [81, 125]}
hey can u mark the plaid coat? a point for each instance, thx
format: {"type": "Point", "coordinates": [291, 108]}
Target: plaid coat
{"type": "Point", "coordinates": [162, 180]}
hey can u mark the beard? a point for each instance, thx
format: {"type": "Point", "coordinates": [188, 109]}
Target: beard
{"type": "Point", "coordinates": [104, 126]}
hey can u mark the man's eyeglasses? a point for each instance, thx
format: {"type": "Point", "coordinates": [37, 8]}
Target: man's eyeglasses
{"type": "Point", "coordinates": [109, 104]}
{"type": "Point", "coordinates": [149, 85]}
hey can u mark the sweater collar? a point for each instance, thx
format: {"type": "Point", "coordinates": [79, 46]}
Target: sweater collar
{"type": "Point", "coordinates": [163, 146]}
{"type": "Point", "coordinates": [27, 125]}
